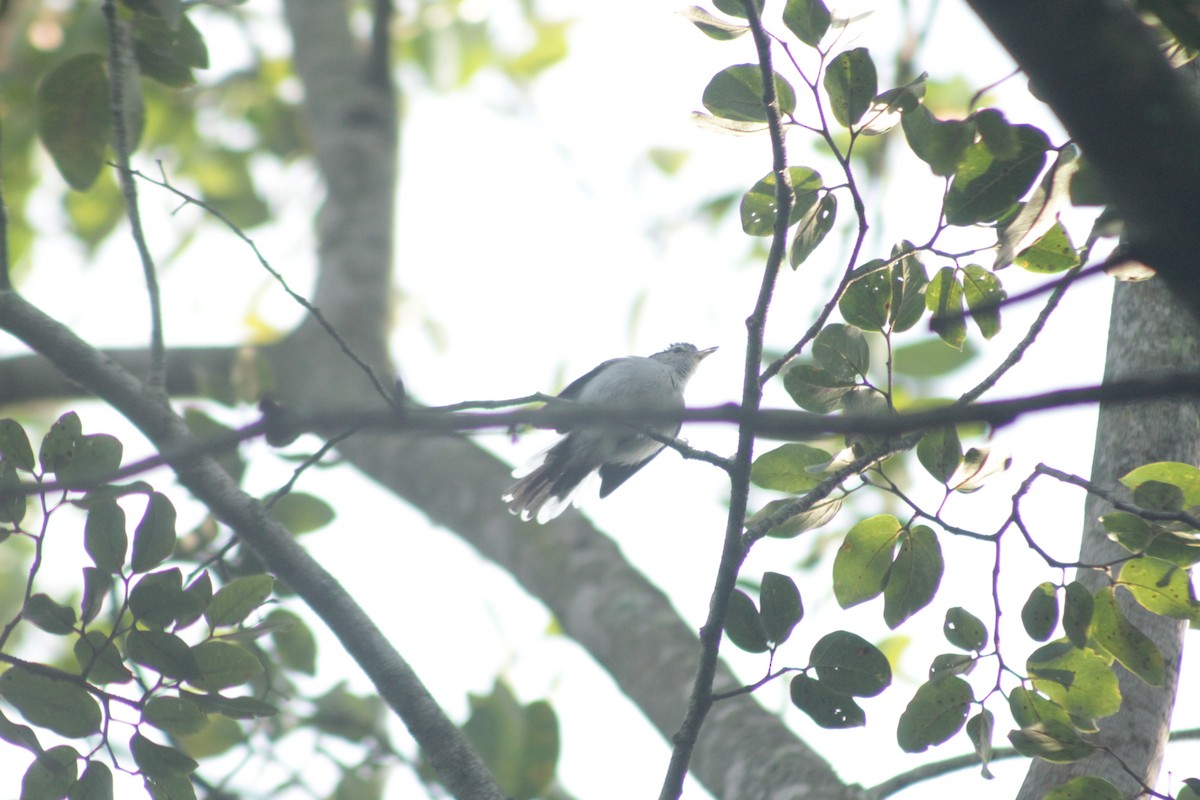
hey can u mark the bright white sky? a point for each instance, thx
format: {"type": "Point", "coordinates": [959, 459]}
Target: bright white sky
{"type": "Point", "coordinates": [552, 267]}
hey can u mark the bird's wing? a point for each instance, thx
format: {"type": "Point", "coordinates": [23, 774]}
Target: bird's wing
{"type": "Point", "coordinates": [614, 474]}
{"type": "Point", "coordinates": [576, 386]}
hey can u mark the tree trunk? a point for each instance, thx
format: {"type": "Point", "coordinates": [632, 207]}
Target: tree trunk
{"type": "Point", "coordinates": [1150, 332]}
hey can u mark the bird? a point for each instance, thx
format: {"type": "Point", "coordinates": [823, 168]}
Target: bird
{"type": "Point", "coordinates": [644, 383]}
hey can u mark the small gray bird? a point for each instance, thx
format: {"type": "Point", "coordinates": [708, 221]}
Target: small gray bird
{"type": "Point", "coordinates": [617, 451]}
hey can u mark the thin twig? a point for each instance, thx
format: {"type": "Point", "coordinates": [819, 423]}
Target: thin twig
{"type": "Point", "coordinates": [120, 80]}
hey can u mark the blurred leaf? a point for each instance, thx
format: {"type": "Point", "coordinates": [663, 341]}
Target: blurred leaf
{"type": "Point", "coordinates": [55, 703]}
{"type": "Point", "coordinates": [978, 464]}
{"type": "Point", "coordinates": [1085, 787]}
{"type": "Point", "coordinates": [930, 358]}
{"type": "Point", "coordinates": [301, 513]}
{"type": "Point", "coordinates": [237, 599]}
{"type": "Point", "coordinates": [154, 537]}
{"type": "Point", "coordinates": [178, 716]}
{"type": "Point", "coordinates": [73, 118]}
{"type": "Point", "coordinates": [223, 665]}
{"type": "Point", "coordinates": [1052, 740]}
{"type": "Point", "coordinates": [294, 641]}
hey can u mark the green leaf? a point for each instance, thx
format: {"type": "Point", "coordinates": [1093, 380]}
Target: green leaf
{"type": "Point", "coordinates": [1129, 530]}
{"type": "Point", "coordinates": [996, 132]}
{"type": "Point", "coordinates": [827, 708]}
{"type": "Point", "coordinates": [939, 144]}
{"type": "Point", "coordinates": [1040, 213]}
{"type": "Point", "coordinates": [846, 663]}
{"type": "Point", "coordinates": [909, 280]}
{"type": "Point", "coordinates": [940, 452]}
{"type": "Point", "coordinates": [220, 735]}
{"type": "Point", "coordinates": [232, 707]}
{"type": "Point", "coordinates": [157, 598]}
{"type": "Point", "coordinates": [195, 600]}
{"type": "Point", "coordinates": [813, 227]}
{"type": "Point", "coordinates": [20, 735]}
{"type": "Point", "coordinates": [743, 625]}
{"type": "Point", "coordinates": [984, 295]}
{"type": "Point", "coordinates": [1030, 708]}
{"type": "Point", "coordinates": [49, 615]}
{"type": "Point", "coordinates": [947, 664]}
{"type": "Point", "coordinates": [1053, 740]}
{"type": "Point", "coordinates": [237, 599]}
{"type": "Point", "coordinates": [51, 774]}
{"type": "Point", "coordinates": [1053, 252]}
{"type": "Point", "coordinates": [1078, 680]}
{"type": "Point", "coordinates": [14, 445]}
{"type": "Point", "coordinates": [223, 665]}
{"type": "Point", "coordinates": [1039, 615]}
{"type": "Point", "coordinates": [1158, 496]}
{"type": "Point", "coordinates": [96, 783]}
{"type": "Point", "coordinates": [1185, 476]}
{"type": "Point", "coordinates": [964, 630]}
{"type": "Point", "coordinates": [178, 716]}
{"type": "Point", "coordinates": [986, 186]}
{"type": "Point", "coordinates": [1161, 587]}
{"type": "Point", "coordinates": [914, 577]}
{"type": "Point", "coordinates": [157, 761]}
{"type": "Point", "coordinates": [93, 458]}
{"type": "Point", "coordinates": [789, 468]}
{"type": "Point", "coordinates": [734, 8]}
{"type": "Point", "coordinates": [936, 712]}
{"type": "Point", "coordinates": [1077, 613]}
{"type": "Point", "coordinates": [58, 445]}
{"type": "Point", "coordinates": [944, 297]}
{"type": "Point", "coordinates": [162, 652]}
{"type": "Point", "coordinates": [759, 206]}
{"type": "Point", "coordinates": [851, 82]}
{"type": "Point", "coordinates": [736, 93]}
{"type": "Point", "coordinates": [302, 513]}
{"type": "Point", "coordinates": [58, 704]}
{"type": "Point", "coordinates": [930, 358]}
{"type": "Point", "coordinates": [713, 27]}
{"type": "Point", "coordinates": [818, 515]}
{"type": "Point", "coordinates": [167, 55]}
{"type": "Point", "coordinates": [867, 301]}
{"type": "Point", "coordinates": [294, 641]}
{"type": "Point", "coordinates": [73, 118]}
{"type": "Point", "coordinates": [807, 19]}
{"type": "Point", "coordinates": [861, 565]}
{"type": "Point", "coordinates": [1086, 787]}
{"type": "Point", "coordinates": [12, 499]}
{"type": "Point", "coordinates": [814, 389]}
{"type": "Point", "coordinates": [842, 351]}
{"type": "Point", "coordinates": [978, 464]}
{"type": "Point", "coordinates": [979, 729]}
{"type": "Point", "coordinates": [104, 536]}
{"type": "Point", "coordinates": [781, 606]}
{"type": "Point", "coordinates": [1116, 634]}
{"type": "Point", "coordinates": [99, 661]}
{"type": "Point", "coordinates": [154, 538]}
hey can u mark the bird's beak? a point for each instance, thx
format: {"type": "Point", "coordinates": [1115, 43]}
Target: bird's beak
{"type": "Point", "coordinates": [706, 353]}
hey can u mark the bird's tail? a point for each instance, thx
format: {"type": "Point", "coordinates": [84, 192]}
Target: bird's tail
{"type": "Point", "coordinates": [546, 491]}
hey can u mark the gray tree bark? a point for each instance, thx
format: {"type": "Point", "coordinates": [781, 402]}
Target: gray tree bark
{"type": "Point", "coordinates": [1150, 332]}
